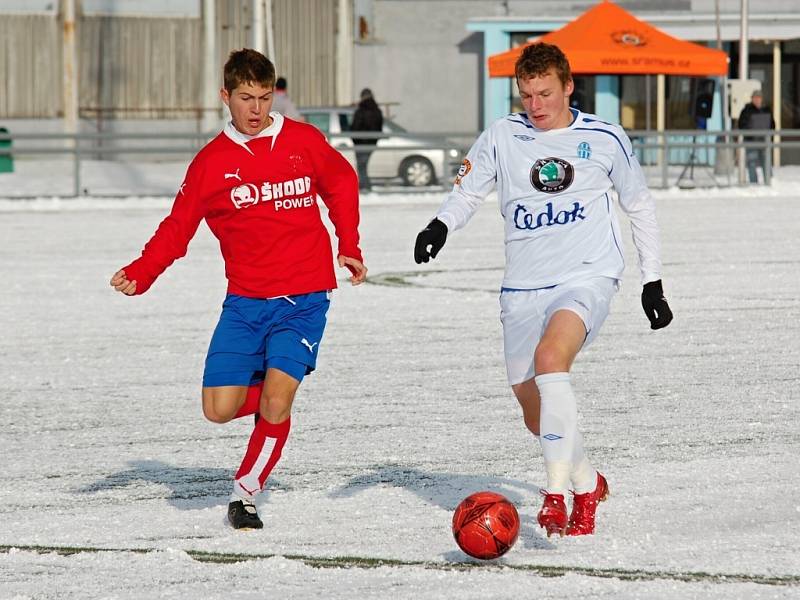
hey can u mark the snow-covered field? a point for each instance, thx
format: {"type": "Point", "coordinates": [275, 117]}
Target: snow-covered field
{"type": "Point", "coordinates": [114, 486]}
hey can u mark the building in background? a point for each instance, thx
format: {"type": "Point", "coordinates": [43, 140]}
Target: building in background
{"type": "Point", "coordinates": [143, 60]}
{"type": "Point", "coordinates": [426, 59]}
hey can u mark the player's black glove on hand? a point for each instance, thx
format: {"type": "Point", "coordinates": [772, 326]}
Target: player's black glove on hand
{"type": "Point", "coordinates": [655, 305]}
{"type": "Point", "coordinates": [434, 235]}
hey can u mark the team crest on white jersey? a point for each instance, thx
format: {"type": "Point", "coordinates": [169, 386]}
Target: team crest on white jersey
{"type": "Point", "coordinates": [551, 175]}
{"type": "Point", "coordinates": [244, 195]}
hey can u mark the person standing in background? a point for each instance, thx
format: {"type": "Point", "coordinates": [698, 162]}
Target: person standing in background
{"type": "Point", "coordinates": [368, 117]}
{"type": "Point", "coordinates": [282, 103]}
{"type": "Point", "coordinates": [755, 115]}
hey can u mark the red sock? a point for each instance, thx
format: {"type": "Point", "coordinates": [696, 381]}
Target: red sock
{"type": "Point", "coordinates": [263, 451]}
{"type": "Point", "coordinates": [250, 406]}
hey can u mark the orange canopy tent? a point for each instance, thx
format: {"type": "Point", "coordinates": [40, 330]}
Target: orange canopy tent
{"type": "Point", "coordinates": [608, 39]}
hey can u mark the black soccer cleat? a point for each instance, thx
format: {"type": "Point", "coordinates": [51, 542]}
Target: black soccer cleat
{"type": "Point", "coordinates": [243, 515]}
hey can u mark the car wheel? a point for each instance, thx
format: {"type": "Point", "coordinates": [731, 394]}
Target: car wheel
{"type": "Point", "coordinates": [417, 171]}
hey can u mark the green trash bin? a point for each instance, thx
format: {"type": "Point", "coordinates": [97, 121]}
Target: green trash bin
{"type": "Point", "coordinates": [6, 160]}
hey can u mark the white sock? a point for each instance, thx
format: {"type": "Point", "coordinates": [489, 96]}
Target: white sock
{"type": "Point", "coordinates": [582, 475]}
{"type": "Point", "coordinates": [235, 497]}
{"type": "Point", "coordinates": [559, 420]}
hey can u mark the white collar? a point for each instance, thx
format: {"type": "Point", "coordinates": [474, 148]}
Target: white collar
{"type": "Point", "coordinates": [240, 138]}
{"type": "Point", "coordinates": [574, 113]}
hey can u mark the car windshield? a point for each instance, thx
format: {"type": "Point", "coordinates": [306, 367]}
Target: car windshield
{"type": "Point", "coordinates": [393, 127]}
{"type": "Point", "coordinates": [320, 120]}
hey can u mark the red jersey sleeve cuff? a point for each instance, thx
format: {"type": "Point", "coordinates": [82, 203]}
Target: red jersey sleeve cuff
{"type": "Point", "coordinates": [136, 272]}
{"type": "Point", "coordinates": [351, 252]}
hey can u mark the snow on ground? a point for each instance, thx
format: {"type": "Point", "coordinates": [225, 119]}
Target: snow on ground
{"type": "Point", "coordinates": [114, 486]}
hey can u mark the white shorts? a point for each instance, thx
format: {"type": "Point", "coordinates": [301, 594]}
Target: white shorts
{"type": "Point", "coordinates": [526, 313]}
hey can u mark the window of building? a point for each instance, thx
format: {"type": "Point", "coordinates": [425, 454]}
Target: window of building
{"type": "Point", "coordinates": [677, 104]}
{"type": "Point", "coordinates": [583, 96]}
{"type": "Point", "coordinates": [790, 84]}
{"type": "Point", "coordinates": [638, 101]}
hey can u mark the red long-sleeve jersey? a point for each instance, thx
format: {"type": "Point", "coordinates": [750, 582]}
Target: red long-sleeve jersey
{"type": "Point", "coordinates": [259, 198]}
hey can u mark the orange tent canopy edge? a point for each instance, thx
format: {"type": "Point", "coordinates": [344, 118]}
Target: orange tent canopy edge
{"type": "Point", "coordinates": [607, 39]}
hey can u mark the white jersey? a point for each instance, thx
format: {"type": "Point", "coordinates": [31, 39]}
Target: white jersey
{"type": "Point", "coordinates": [554, 190]}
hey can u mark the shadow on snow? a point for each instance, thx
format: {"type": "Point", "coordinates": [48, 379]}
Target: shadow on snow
{"type": "Point", "coordinates": [446, 490]}
{"type": "Point", "coordinates": [189, 487]}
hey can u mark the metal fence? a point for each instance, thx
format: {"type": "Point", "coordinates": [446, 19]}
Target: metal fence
{"type": "Point", "coordinates": [152, 164]}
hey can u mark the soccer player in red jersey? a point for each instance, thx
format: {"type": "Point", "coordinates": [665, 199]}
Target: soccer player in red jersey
{"type": "Point", "coordinates": [256, 184]}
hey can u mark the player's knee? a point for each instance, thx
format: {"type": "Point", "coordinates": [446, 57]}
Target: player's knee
{"type": "Point", "coordinates": [213, 411]}
{"type": "Point", "coordinates": [549, 358]}
{"type": "Point", "coordinates": [275, 416]}
{"type": "Point", "coordinates": [275, 409]}
{"type": "Point", "coordinates": [212, 415]}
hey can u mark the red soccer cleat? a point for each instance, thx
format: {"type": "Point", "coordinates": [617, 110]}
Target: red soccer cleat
{"type": "Point", "coordinates": [581, 520]}
{"type": "Point", "coordinates": [553, 515]}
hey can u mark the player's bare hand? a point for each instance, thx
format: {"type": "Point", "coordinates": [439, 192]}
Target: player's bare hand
{"type": "Point", "coordinates": [356, 267]}
{"type": "Point", "coordinates": [122, 284]}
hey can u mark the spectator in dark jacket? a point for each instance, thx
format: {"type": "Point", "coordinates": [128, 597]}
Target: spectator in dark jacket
{"type": "Point", "coordinates": [755, 115]}
{"type": "Point", "coordinates": [367, 117]}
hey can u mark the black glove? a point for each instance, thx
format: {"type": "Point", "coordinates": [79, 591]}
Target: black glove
{"type": "Point", "coordinates": [434, 235]}
{"type": "Point", "coordinates": [655, 305]}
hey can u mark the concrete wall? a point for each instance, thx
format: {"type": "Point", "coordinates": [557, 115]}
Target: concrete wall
{"type": "Point", "coordinates": [423, 58]}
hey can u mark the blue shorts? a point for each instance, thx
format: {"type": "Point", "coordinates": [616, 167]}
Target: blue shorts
{"type": "Point", "coordinates": [255, 334]}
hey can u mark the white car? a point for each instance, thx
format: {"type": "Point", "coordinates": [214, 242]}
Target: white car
{"type": "Point", "coordinates": [417, 162]}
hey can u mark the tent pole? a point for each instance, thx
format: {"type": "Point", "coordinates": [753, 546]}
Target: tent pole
{"type": "Point", "coordinates": [660, 118]}
{"type": "Point", "coordinates": [776, 98]}
{"type": "Point", "coordinates": [744, 72]}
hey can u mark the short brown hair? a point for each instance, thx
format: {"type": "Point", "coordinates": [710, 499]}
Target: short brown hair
{"type": "Point", "coordinates": [537, 59]}
{"type": "Point", "coordinates": [248, 66]}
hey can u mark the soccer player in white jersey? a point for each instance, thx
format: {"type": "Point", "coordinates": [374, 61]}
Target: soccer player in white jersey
{"type": "Point", "coordinates": [554, 168]}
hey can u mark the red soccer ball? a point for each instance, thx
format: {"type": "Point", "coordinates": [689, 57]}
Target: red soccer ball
{"type": "Point", "coordinates": [485, 525]}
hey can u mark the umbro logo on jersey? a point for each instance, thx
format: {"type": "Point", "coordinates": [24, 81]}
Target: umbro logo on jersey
{"type": "Point", "coordinates": [523, 137]}
{"type": "Point", "coordinates": [233, 175]}
{"type": "Point", "coordinates": [551, 175]}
